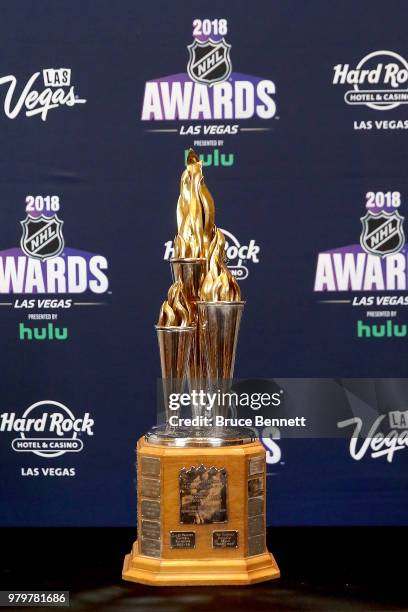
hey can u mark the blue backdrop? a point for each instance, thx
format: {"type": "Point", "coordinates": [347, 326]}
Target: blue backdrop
{"type": "Point", "coordinates": [293, 184]}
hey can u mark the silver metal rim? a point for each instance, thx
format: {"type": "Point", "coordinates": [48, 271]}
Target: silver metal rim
{"type": "Point", "coordinates": [221, 303]}
{"type": "Point", "coordinates": [164, 439]}
{"type": "Point", "coordinates": [172, 328]}
{"type": "Point", "coordinates": [189, 260]}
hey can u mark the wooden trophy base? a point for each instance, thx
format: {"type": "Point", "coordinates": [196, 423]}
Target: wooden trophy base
{"type": "Point", "coordinates": [201, 516]}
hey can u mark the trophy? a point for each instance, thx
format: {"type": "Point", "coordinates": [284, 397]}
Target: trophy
{"type": "Point", "coordinates": [201, 488]}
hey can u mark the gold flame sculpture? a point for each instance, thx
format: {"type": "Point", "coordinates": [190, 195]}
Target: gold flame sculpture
{"type": "Point", "coordinates": [219, 285]}
{"type": "Point", "coordinates": [198, 239]}
{"type": "Point", "coordinates": [175, 311]}
{"type": "Point", "coordinates": [195, 213]}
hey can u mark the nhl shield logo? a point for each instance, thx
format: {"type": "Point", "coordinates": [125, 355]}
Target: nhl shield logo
{"type": "Point", "coordinates": [209, 61]}
{"type": "Point", "coordinates": [383, 233]}
{"type": "Point", "coordinates": [42, 236]}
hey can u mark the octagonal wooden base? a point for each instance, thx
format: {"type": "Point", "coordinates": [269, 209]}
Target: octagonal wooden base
{"type": "Point", "coordinates": [178, 572]}
{"type": "Point", "coordinates": [174, 548]}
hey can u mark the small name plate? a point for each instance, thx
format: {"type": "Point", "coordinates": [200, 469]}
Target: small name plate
{"type": "Point", "coordinates": [255, 505]}
{"type": "Point", "coordinates": [150, 487]}
{"type": "Point", "coordinates": [255, 486]}
{"type": "Point", "coordinates": [225, 539]}
{"type": "Point", "coordinates": [256, 465]}
{"type": "Point", "coordinates": [256, 545]}
{"type": "Point", "coordinates": [150, 466]}
{"type": "Point", "coordinates": [150, 509]}
{"type": "Point", "coordinates": [150, 548]}
{"type": "Point", "coordinates": [256, 525]}
{"type": "Point", "coordinates": [151, 529]}
{"type": "Point", "coordinates": [182, 539]}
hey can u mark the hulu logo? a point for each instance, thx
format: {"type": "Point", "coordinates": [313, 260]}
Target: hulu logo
{"type": "Point", "coordinates": [385, 330]}
{"type": "Point", "coordinates": [42, 333]}
{"type": "Point", "coordinates": [214, 159]}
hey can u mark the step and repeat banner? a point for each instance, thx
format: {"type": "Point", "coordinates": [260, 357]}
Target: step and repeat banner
{"type": "Point", "coordinates": [299, 113]}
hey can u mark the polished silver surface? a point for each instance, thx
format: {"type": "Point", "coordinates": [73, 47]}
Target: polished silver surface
{"type": "Point", "coordinates": [190, 437]}
{"type": "Point", "coordinates": [256, 465]}
{"type": "Point", "coordinates": [190, 271]}
{"type": "Point", "coordinates": [150, 509]}
{"type": "Point", "coordinates": [150, 548]}
{"type": "Point", "coordinates": [150, 487]}
{"type": "Point", "coordinates": [175, 345]}
{"type": "Point", "coordinates": [219, 324]}
{"type": "Point", "coordinates": [151, 529]}
{"type": "Point", "coordinates": [150, 466]}
{"type": "Point", "coordinates": [256, 525]}
{"type": "Point", "coordinates": [256, 505]}
{"type": "Point", "coordinates": [256, 545]}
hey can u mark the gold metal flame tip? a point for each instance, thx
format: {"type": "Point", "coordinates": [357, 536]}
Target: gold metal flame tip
{"type": "Point", "coordinates": [197, 236]}
{"type": "Point", "coordinates": [192, 157]}
{"type": "Point", "coordinates": [195, 212]}
{"type": "Point", "coordinates": [219, 285]}
{"type": "Point", "coordinates": [176, 310]}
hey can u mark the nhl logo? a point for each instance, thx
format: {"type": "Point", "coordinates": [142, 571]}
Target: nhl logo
{"type": "Point", "coordinates": [42, 236]}
{"type": "Point", "coordinates": [209, 61]}
{"type": "Point", "coordinates": [383, 233]}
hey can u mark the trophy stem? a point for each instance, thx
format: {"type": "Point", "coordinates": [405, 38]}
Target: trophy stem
{"type": "Point", "coordinates": [191, 272]}
{"type": "Point", "coordinates": [219, 324]}
{"type": "Point", "coordinates": [175, 345]}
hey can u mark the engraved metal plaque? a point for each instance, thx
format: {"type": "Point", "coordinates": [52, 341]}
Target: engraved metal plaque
{"type": "Point", "coordinates": [203, 495]}
{"type": "Point", "coordinates": [225, 539]}
{"type": "Point", "coordinates": [182, 539]}
{"type": "Point", "coordinates": [150, 487]}
{"type": "Point", "coordinates": [255, 505]}
{"type": "Point", "coordinates": [256, 545]}
{"type": "Point", "coordinates": [151, 529]}
{"type": "Point", "coordinates": [150, 548]}
{"type": "Point", "coordinates": [150, 509]}
{"type": "Point", "coordinates": [150, 466]}
{"type": "Point", "coordinates": [255, 486]}
{"type": "Point", "coordinates": [256, 465]}
{"type": "Point", "coordinates": [256, 525]}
